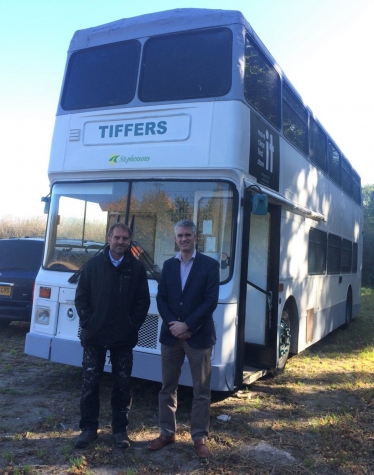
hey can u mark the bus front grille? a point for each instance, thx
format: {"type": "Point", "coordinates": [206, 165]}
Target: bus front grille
{"type": "Point", "coordinates": [148, 333]}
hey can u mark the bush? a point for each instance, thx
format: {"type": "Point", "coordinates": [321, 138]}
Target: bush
{"type": "Point", "coordinates": [11, 226]}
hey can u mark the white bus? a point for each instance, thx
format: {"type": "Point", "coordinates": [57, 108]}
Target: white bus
{"type": "Point", "coordinates": [185, 114]}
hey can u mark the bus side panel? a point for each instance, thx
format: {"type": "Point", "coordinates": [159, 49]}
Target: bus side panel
{"type": "Point", "coordinates": [66, 351]}
{"type": "Point", "coordinates": [322, 297]}
{"type": "Point", "coordinates": [38, 345]}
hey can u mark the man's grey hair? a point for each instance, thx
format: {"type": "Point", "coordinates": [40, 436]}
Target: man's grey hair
{"type": "Point", "coordinates": [185, 223]}
{"type": "Point", "coordinates": [121, 226]}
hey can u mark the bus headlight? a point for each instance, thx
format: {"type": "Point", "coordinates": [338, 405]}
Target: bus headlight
{"type": "Point", "coordinates": [43, 316]}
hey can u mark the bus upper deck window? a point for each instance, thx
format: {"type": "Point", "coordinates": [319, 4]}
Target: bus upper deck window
{"type": "Point", "coordinates": [101, 76]}
{"type": "Point", "coordinates": [261, 83]}
{"type": "Point", "coordinates": [189, 65]}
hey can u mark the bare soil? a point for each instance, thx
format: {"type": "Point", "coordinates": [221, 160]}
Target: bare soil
{"type": "Point", "coordinates": [306, 421]}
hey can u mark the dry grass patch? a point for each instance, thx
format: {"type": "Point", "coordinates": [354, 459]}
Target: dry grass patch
{"type": "Point", "coordinates": [317, 418]}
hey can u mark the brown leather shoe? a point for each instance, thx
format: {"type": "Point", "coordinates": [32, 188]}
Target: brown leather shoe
{"type": "Point", "coordinates": [201, 448]}
{"type": "Point", "coordinates": [160, 442]}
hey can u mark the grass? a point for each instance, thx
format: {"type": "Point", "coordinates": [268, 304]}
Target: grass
{"type": "Point", "coordinates": [317, 418]}
{"type": "Point", "coordinates": [328, 398]}
{"type": "Point", "coordinates": [78, 466]}
{"type": "Point", "coordinates": [8, 456]}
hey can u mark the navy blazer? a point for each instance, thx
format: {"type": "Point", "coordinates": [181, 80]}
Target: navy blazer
{"type": "Point", "coordinates": [194, 305]}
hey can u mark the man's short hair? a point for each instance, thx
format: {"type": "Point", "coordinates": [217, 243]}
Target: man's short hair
{"type": "Point", "coordinates": [185, 223]}
{"type": "Point", "coordinates": [121, 226]}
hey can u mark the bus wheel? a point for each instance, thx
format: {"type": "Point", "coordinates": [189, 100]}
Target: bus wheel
{"type": "Point", "coordinates": [284, 343]}
{"type": "Point", "coordinates": [348, 309]}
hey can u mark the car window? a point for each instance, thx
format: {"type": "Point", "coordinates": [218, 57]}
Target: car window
{"type": "Point", "coordinates": [19, 254]}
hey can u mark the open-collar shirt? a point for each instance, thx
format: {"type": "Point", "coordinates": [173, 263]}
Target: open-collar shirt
{"type": "Point", "coordinates": [185, 267]}
{"type": "Point", "coordinates": [114, 262]}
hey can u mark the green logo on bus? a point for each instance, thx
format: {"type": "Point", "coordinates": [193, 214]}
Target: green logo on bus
{"type": "Point", "coordinates": [115, 159]}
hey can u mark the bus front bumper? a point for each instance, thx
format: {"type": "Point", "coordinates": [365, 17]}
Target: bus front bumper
{"type": "Point", "coordinates": [146, 365]}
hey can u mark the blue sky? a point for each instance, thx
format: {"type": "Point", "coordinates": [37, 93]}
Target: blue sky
{"type": "Point", "coordinates": [324, 47]}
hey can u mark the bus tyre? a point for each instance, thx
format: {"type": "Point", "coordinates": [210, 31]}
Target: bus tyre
{"type": "Point", "coordinates": [284, 343]}
{"type": "Point", "coordinates": [348, 309]}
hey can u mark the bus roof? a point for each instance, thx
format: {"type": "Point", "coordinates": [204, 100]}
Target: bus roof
{"type": "Point", "coordinates": [168, 21]}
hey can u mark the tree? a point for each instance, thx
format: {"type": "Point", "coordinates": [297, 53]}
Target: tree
{"type": "Point", "coordinates": [368, 249]}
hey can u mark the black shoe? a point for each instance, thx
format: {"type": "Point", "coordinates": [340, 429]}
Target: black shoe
{"type": "Point", "coordinates": [121, 439]}
{"type": "Point", "coordinates": [85, 438]}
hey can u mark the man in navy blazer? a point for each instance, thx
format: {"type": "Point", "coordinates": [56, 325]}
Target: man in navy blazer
{"type": "Point", "coordinates": [187, 297]}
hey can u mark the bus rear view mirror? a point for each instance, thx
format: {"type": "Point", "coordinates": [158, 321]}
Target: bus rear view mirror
{"type": "Point", "coordinates": [46, 200]}
{"type": "Point", "coordinates": [259, 204]}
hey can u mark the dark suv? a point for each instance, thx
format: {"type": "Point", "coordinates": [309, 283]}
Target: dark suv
{"type": "Point", "coordinates": [20, 260]}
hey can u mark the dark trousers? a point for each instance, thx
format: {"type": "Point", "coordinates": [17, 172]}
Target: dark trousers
{"type": "Point", "coordinates": [92, 370]}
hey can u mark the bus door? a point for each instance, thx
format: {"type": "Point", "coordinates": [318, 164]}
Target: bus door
{"type": "Point", "coordinates": [258, 309]}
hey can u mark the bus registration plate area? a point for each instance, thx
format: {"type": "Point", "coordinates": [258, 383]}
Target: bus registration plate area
{"type": "Point", "coordinates": [6, 290]}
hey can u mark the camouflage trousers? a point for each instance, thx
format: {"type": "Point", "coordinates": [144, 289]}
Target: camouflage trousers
{"type": "Point", "coordinates": [92, 370]}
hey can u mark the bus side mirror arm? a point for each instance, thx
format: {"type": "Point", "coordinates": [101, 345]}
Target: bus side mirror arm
{"type": "Point", "coordinates": [47, 201]}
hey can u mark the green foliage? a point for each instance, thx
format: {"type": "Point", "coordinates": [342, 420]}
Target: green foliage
{"type": "Point", "coordinates": [78, 465]}
{"type": "Point", "coordinates": [368, 249]}
{"type": "Point", "coordinates": [7, 455]}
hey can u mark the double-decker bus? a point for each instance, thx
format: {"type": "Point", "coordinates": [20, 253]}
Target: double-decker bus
{"type": "Point", "coordinates": [184, 114]}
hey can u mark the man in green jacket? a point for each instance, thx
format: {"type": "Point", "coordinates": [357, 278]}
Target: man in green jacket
{"type": "Point", "coordinates": [112, 301]}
